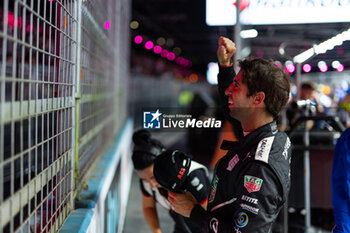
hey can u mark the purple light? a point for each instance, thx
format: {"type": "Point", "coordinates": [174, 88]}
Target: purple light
{"type": "Point", "coordinates": [188, 64]}
{"type": "Point", "coordinates": [340, 51]}
{"type": "Point", "coordinates": [323, 67]}
{"type": "Point", "coordinates": [179, 60]}
{"type": "Point", "coordinates": [107, 25]}
{"type": "Point", "coordinates": [171, 56]}
{"type": "Point", "coordinates": [157, 49]}
{"type": "Point", "coordinates": [164, 53]}
{"type": "Point", "coordinates": [307, 68]}
{"type": "Point", "coordinates": [290, 68]}
{"type": "Point", "coordinates": [260, 53]}
{"type": "Point", "coordinates": [149, 45]}
{"type": "Point", "coordinates": [340, 68]}
{"type": "Point", "coordinates": [138, 39]}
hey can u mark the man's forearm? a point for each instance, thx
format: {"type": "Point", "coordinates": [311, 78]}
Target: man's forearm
{"type": "Point", "coordinates": [151, 218]}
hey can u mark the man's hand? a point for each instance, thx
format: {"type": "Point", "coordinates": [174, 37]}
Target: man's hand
{"type": "Point", "coordinates": [225, 51]}
{"type": "Point", "coordinates": [182, 203]}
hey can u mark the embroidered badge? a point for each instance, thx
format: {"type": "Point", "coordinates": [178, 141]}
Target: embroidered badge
{"type": "Point", "coordinates": [252, 184]}
{"type": "Point", "coordinates": [214, 184]}
{"type": "Point", "coordinates": [242, 220]}
{"type": "Point", "coordinates": [286, 147]}
{"type": "Point", "coordinates": [264, 148]}
{"type": "Point", "coordinates": [232, 163]}
{"type": "Point", "coordinates": [249, 199]}
{"type": "Point", "coordinates": [250, 208]}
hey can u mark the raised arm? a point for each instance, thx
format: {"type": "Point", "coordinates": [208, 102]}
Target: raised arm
{"type": "Point", "coordinates": [226, 50]}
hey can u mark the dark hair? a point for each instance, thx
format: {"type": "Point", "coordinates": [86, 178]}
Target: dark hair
{"type": "Point", "coordinates": [263, 75]}
{"type": "Point", "coordinates": [146, 149]}
{"type": "Point", "coordinates": [308, 86]}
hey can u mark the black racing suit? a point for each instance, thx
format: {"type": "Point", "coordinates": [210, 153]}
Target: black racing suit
{"type": "Point", "coordinates": [251, 182]}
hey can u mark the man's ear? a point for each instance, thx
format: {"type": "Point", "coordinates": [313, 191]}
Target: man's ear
{"type": "Point", "coordinates": [259, 98]}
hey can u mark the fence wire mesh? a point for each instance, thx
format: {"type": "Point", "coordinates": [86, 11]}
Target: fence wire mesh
{"type": "Point", "coordinates": [58, 101]}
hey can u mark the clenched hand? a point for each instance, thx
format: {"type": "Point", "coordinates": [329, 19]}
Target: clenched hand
{"type": "Point", "coordinates": [225, 51]}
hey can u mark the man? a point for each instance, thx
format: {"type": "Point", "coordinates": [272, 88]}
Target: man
{"type": "Point", "coordinates": [251, 182]}
{"type": "Point", "coordinates": [341, 177]}
{"type": "Point", "coordinates": [296, 109]}
{"type": "Point", "coordinates": [148, 150]}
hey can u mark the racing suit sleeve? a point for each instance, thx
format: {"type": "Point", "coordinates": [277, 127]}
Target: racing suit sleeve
{"type": "Point", "coordinates": [254, 207]}
{"type": "Point", "coordinates": [225, 79]}
{"type": "Point", "coordinates": [198, 185]}
{"type": "Point", "coordinates": [143, 190]}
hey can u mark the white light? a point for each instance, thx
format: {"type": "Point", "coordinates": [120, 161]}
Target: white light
{"type": "Point", "coordinates": [304, 56]}
{"type": "Point", "coordinates": [281, 51]}
{"type": "Point", "coordinates": [323, 47]}
{"type": "Point", "coordinates": [250, 33]}
{"type": "Point", "coordinates": [321, 63]}
{"type": "Point", "coordinates": [223, 12]}
{"type": "Point", "coordinates": [278, 63]}
{"type": "Point", "coordinates": [246, 51]}
{"type": "Point", "coordinates": [288, 62]}
{"type": "Point", "coordinates": [335, 64]}
{"type": "Point", "coordinates": [212, 73]}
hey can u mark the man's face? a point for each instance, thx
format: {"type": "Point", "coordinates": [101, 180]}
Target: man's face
{"type": "Point", "coordinates": [238, 102]}
{"type": "Point", "coordinates": [306, 93]}
{"type": "Point", "coordinates": [147, 175]}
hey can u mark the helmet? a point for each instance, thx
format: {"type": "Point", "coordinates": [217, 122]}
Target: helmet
{"type": "Point", "coordinates": [171, 169]}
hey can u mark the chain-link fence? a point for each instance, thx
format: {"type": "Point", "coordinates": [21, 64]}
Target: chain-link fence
{"type": "Point", "coordinates": [60, 94]}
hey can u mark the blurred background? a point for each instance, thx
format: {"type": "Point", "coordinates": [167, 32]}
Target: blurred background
{"type": "Point", "coordinates": [76, 77]}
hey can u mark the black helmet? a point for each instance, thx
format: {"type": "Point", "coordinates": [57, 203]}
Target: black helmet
{"type": "Point", "coordinates": [171, 169]}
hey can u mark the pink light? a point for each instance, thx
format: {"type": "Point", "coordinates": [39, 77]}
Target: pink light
{"type": "Point", "coordinates": [164, 53]}
{"type": "Point", "coordinates": [278, 64]}
{"type": "Point", "coordinates": [323, 67]}
{"type": "Point", "coordinates": [290, 68]}
{"type": "Point", "coordinates": [171, 56]}
{"type": "Point", "coordinates": [179, 60]}
{"type": "Point", "coordinates": [188, 64]}
{"type": "Point", "coordinates": [149, 45]}
{"type": "Point", "coordinates": [28, 28]}
{"type": "Point", "coordinates": [307, 68]}
{"type": "Point", "coordinates": [157, 49]}
{"type": "Point", "coordinates": [340, 68]}
{"type": "Point", "coordinates": [10, 19]}
{"type": "Point", "coordinates": [107, 25]}
{"type": "Point", "coordinates": [138, 39]}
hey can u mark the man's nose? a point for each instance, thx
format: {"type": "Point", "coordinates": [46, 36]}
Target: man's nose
{"type": "Point", "coordinates": [228, 91]}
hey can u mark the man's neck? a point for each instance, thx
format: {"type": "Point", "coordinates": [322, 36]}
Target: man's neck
{"type": "Point", "coordinates": [256, 121]}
